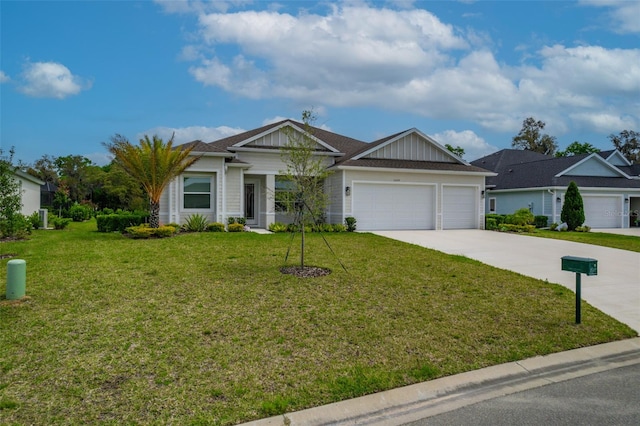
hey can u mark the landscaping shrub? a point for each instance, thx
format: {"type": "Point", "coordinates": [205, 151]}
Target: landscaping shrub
{"type": "Point", "coordinates": [521, 217]}
{"type": "Point", "coordinates": [59, 222]}
{"type": "Point", "coordinates": [584, 228]}
{"type": "Point", "coordinates": [277, 227]}
{"type": "Point", "coordinates": [238, 220]}
{"type": "Point", "coordinates": [119, 222]}
{"type": "Point", "coordinates": [34, 218]}
{"type": "Point", "coordinates": [323, 227]}
{"type": "Point", "coordinates": [145, 231]}
{"type": "Point", "coordinates": [235, 227]}
{"type": "Point", "coordinates": [573, 209]}
{"type": "Point", "coordinates": [139, 231]}
{"type": "Point", "coordinates": [196, 223]}
{"type": "Point", "coordinates": [338, 227]}
{"type": "Point", "coordinates": [490, 224]}
{"type": "Point", "coordinates": [350, 223]}
{"type": "Point", "coordinates": [553, 226]}
{"type": "Point", "coordinates": [80, 213]}
{"type": "Point", "coordinates": [17, 226]}
{"type": "Point", "coordinates": [540, 221]}
{"type": "Point", "coordinates": [499, 218]}
{"type": "Point", "coordinates": [510, 227]}
{"type": "Point", "coordinates": [215, 227]}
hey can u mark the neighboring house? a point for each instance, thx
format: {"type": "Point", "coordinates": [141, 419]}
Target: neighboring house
{"type": "Point", "coordinates": [608, 183]}
{"type": "Point", "coordinates": [30, 191]}
{"type": "Point", "coordinates": [404, 181]}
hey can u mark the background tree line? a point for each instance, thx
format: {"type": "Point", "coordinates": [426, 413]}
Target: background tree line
{"type": "Point", "coordinates": [531, 138]}
{"type": "Point", "coordinates": [77, 180]}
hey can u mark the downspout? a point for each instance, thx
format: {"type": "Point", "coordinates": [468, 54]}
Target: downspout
{"type": "Point", "coordinates": [222, 217]}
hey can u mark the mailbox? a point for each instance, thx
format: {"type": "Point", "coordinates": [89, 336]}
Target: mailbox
{"type": "Point", "coordinates": [580, 265]}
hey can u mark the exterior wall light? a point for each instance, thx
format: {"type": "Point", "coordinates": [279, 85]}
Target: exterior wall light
{"type": "Point", "coordinates": [347, 191]}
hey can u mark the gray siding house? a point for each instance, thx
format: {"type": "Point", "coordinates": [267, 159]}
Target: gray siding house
{"type": "Point", "coordinates": [608, 183]}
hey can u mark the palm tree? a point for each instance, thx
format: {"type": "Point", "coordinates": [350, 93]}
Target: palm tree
{"type": "Point", "coordinates": [153, 163]}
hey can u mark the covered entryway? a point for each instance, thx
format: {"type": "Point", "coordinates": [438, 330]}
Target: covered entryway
{"type": "Point", "coordinates": [602, 211]}
{"type": "Point", "coordinates": [379, 206]}
{"type": "Point", "coordinates": [459, 207]}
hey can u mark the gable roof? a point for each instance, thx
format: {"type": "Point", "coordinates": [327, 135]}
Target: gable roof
{"type": "Point", "coordinates": [334, 141]}
{"type": "Point", "coordinates": [425, 154]}
{"type": "Point", "coordinates": [202, 147]}
{"type": "Point", "coordinates": [349, 151]}
{"type": "Point", "coordinates": [519, 169]}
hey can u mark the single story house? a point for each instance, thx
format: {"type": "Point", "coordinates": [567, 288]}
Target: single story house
{"type": "Point", "coordinates": [30, 191]}
{"type": "Point", "coordinates": [404, 181]}
{"type": "Point", "coordinates": [608, 183]}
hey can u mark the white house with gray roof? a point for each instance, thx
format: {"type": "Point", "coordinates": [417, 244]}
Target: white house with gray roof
{"type": "Point", "coordinates": [404, 181]}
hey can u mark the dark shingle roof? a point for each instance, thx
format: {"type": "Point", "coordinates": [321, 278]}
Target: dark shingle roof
{"type": "Point", "coordinates": [526, 169]}
{"type": "Point", "coordinates": [199, 146]}
{"type": "Point", "coordinates": [341, 143]}
{"type": "Point", "coordinates": [414, 165]}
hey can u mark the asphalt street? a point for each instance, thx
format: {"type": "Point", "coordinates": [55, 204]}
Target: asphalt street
{"type": "Point", "coordinates": [608, 398]}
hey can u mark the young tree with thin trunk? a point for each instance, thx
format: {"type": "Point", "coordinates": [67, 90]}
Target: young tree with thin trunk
{"type": "Point", "coordinates": [153, 163]}
{"type": "Point", "coordinates": [306, 171]}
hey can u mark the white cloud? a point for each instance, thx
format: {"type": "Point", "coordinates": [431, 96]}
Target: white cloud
{"type": "Point", "coordinates": [624, 14]}
{"type": "Point", "coordinates": [603, 122]}
{"type": "Point", "coordinates": [51, 80]}
{"type": "Point", "coordinates": [411, 61]}
{"type": "Point", "coordinates": [3, 77]}
{"type": "Point", "coordinates": [474, 146]}
{"type": "Point", "coordinates": [192, 133]}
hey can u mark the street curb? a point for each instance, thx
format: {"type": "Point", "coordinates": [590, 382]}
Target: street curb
{"type": "Point", "coordinates": [421, 400]}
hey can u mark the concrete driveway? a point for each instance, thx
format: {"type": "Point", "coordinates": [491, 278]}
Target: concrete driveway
{"type": "Point", "coordinates": [615, 290]}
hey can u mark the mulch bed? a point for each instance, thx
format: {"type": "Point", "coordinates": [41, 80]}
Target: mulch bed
{"type": "Point", "coordinates": [306, 272]}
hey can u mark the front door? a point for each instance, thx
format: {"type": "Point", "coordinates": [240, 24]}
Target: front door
{"type": "Point", "coordinates": [251, 202]}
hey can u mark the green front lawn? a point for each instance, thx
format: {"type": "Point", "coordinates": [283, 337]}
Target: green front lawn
{"type": "Point", "coordinates": [623, 242]}
{"type": "Point", "coordinates": [204, 329]}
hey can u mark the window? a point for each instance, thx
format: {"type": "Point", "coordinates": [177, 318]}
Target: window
{"type": "Point", "coordinates": [197, 192]}
{"type": "Point", "coordinates": [492, 205]}
{"type": "Point", "coordinates": [284, 194]}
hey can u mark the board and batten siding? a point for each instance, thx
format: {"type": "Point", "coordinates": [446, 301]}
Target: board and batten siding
{"type": "Point", "coordinates": [276, 140]}
{"type": "Point", "coordinates": [233, 192]}
{"type": "Point", "coordinates": [411, 147]}
{"type": "Point", "coordinates": [270, 162]}
{"type": "Point", "coordinates": [335, 190]}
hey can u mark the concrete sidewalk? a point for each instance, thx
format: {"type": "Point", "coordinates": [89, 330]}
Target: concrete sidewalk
{"type": "Point", "coordinates": [410, 403]}
{"type": "Point", "coordinates": [615, 290]}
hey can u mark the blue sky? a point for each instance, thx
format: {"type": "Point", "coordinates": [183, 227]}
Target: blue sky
{"type": "Point", "coordinates": [73, 74]}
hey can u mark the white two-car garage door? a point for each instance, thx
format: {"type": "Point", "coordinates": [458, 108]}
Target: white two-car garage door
{"type": "Point", "coordinates": [601, 211]}
{"type": "Point", "coordinates": [459, 207]}
{"type": "Point", "coordinates": [387, 206]}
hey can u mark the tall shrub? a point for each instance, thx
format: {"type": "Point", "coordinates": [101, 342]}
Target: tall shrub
{"type": "Point", "coordinates": [573, 209]}
{"type": "Point", "coordinates": [12, 223]}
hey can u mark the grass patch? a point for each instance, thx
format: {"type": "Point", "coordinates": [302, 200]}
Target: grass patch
{"type": "Point", "coordinates": [622, 242]}
{"type": "Point", "coordinates": [203, 328]}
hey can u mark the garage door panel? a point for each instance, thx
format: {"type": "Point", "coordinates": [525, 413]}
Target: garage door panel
{"type": "Point", "coordinates": [599, 212]}
{"type": "Point", "coordinates": [393, 206]}
{"type": "Point", "coordinates": [459, 210]}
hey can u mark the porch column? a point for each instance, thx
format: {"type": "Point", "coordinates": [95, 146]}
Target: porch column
{"type": "Point", "coordinates": [271, 203]}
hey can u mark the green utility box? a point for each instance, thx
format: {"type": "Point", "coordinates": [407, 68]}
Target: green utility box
{"type": "Point", "coordinates": [580, 265]}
